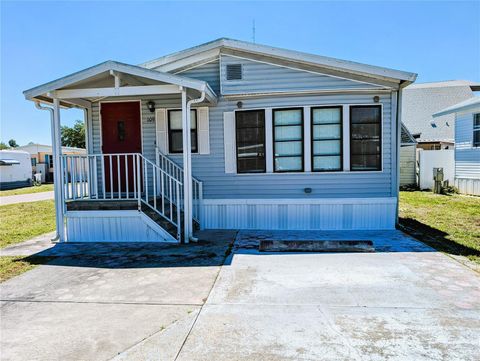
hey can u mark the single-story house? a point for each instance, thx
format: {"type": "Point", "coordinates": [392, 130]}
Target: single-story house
{"type": "Point", "coordinates": [42, 159]}
{"type": "Point", "coordinates": [467, 144]}
{"type": "Point", "coordinates": [421, 100]}
{"type": "Point", "coordinates": [227, 135]}
{"type": "Point", "coordinates": [15, 171]}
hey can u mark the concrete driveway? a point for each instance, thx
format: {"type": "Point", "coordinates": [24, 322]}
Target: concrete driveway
{"type": "Point", "coordinates": [405, 302]}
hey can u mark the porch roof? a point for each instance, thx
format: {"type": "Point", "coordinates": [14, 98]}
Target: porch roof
{"type": "Point", "coordinates": [112, 78]}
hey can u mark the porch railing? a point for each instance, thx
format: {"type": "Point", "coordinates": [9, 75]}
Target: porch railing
{"type": "Point", "coordinates": [124, 176]}
{"type": "Point", "coordinates": [176, 171]}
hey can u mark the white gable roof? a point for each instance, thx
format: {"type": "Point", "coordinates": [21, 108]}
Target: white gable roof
{"type": "Point", "coordinates": [41, 92]}
{"type": "Point", "coordinates": [472, 105]}
{"type": "Point", "coordinates": [185, 57]}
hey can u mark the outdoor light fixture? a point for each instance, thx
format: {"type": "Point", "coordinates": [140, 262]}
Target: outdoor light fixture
{"type": "Point", "coordinates": [239, 105]}
{"type": "Point", "coordinates": [151, 106]}
{"type": "Point", "coordinates": [376, 98]}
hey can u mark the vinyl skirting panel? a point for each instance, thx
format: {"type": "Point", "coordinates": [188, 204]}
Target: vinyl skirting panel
{"type": "Point", "coordinates": [113, 226]}
{"type": "Point", "coordinates": [300, 214]}
{"type": "Point", "coordinates": [468, 186]}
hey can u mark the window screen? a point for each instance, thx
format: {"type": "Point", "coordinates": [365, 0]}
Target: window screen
{"type": "Point", "coordinates": [326, 139]}
{"type": "Point", "coordinates": [365, 138]}
{"type": "Point", "coordinates": [175, 137]}
{"type": "Point", "coordinates": [250, 141]}
{"type": "Point", "coordinates": [288, 140]}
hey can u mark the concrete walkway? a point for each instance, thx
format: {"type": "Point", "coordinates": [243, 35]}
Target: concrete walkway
{"type": "Point", "coordinates": [164, 302]}
{"type": "Point", "coordinates": [22, 198]}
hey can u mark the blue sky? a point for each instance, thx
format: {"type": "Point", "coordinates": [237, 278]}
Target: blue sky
{"type": "Point", "coordinates": [42, 41]}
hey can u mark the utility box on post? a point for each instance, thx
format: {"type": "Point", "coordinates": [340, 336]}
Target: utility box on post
{"type": "Point", "coordinates": [437, 180]}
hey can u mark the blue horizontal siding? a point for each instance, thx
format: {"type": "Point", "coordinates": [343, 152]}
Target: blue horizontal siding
{"type": "Point", "coordinates": [209, 72]}
{"type": "Point", "coordinates": [467, 157]}
{"type": "Point", "coordinates": [260, 77]}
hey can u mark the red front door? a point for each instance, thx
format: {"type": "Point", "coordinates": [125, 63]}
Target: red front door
{"type": "Point", "coordinates": [121, 133]}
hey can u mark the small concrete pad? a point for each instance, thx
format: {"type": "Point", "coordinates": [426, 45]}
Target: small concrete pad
{"type": "Point", "coordinates": [315, 246]}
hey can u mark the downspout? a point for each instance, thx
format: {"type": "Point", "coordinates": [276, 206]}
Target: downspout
{"type": "Point", "coordinates": [188, 166]}
{"type": "Point", "coordinates": [52, 122]}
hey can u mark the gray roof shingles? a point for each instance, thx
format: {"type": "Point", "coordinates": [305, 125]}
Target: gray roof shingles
{"type": "Point", "coordinates": [421, 101]}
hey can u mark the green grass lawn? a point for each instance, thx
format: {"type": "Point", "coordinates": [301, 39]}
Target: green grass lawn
{"type": "Point", "coordinates": [27, 190]}
{"type": "Point", "coordinates": [22, 221]}
{"type": "Point", "coordinates": [18, 223]}
{"type": "Point", "coordinates": [449, 223]}
{"type": "Point", "coordinates": [13, 266]}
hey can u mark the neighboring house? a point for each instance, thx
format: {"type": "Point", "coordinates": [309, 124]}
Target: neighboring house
{"type": "Point", "coordinates": [421, 101]}
{"type": "Point", "coordinates": [467, 144]}
{"type": "Point", "coordinates": [15, 170]}
{"type": "Point", "coordinates": [42, 159]}
{"type": "Point", "coordinates": [408, 156]}
{"type": "Point", "coordinates": [229, 135]}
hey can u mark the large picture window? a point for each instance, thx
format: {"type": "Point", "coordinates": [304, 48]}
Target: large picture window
{"type": "Point", "coordinates": [250, 141]}
{"type": "Point", "coordinates": [326, 139]}
{"type": "Point", "coordinates": [175, 137]}
{"type": "Point", "coordinates": [288, 140]}
{"type": "Point", "coordinates": [476, 130]}
{"type": "Point", "coordinates": [365, 138]}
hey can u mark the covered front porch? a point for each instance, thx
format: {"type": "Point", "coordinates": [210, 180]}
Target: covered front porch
{"type": "Point", "coordinates": [125, 188]}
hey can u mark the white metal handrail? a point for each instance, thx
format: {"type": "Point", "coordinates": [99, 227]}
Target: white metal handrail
{"type": "Point", "coordinates": [123, 176]}
{"type": "Point", "coordinates": [176, 171]}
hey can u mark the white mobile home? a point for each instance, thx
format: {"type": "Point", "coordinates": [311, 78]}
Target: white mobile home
{"type": "Point", "coordinates": [15, 169]}
{"type": "Point", "coordinates": [467, 144]}
{"type": "Point", "coordinates": [229, 135]}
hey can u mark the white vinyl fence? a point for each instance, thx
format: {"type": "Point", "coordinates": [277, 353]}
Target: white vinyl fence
{"type": "Point", "coordinates": [429, 159]}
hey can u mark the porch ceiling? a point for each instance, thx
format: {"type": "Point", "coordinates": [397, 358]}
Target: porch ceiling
{"type": "Point", "coordinates": [112, 78]}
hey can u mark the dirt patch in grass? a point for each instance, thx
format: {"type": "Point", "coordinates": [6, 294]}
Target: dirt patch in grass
{"type": "Point", "coordinates": [27, 190]}
{"type": "Point", "coordinates": [22, 221]}
{"type": "Point", "coordinates": [449, 223]}
{"type": "Point", "coordinates": [13, 266]}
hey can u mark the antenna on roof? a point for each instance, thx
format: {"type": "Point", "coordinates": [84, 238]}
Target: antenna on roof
{"type": "Point", "coordinates": [253, 31]}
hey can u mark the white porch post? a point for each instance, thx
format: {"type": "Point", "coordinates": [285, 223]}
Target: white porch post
{"type": "Point", "coordinates": [187, 178]}
{"type": "Point", "coordinates": [57, 170]}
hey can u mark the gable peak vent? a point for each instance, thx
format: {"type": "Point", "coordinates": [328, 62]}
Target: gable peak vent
{"type": "Point", "coordinates": [234, 72]}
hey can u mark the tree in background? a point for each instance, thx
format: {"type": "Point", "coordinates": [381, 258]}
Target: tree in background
{"type": "Point", "coordinates": [12, 143]}
{"type": "Point", "coordinates": [74, 136]}
{"type": "Point", "coordinates": [3, 146]}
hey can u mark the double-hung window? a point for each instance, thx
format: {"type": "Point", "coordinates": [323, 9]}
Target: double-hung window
{"type": "Point", "coordinates": [365, 138]}
{"type": "Point", "coordinates": [175, 136]}
{"type": "Point", "coordinates": [326, 139]}
{"type": "Point", "coordinates": [288, 140]}
{"type": "Point", "coordinates": [250, 141]}
{"type": "Point", "coordinates": [476, 130]}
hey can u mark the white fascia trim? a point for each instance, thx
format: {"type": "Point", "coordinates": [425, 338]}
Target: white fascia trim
{"type": "Point", "coordinates": [305, 92]}
{"type": "Point", "coordinates": [290, 55]}
{"type": "Point", "coordinates": [373, 200]}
